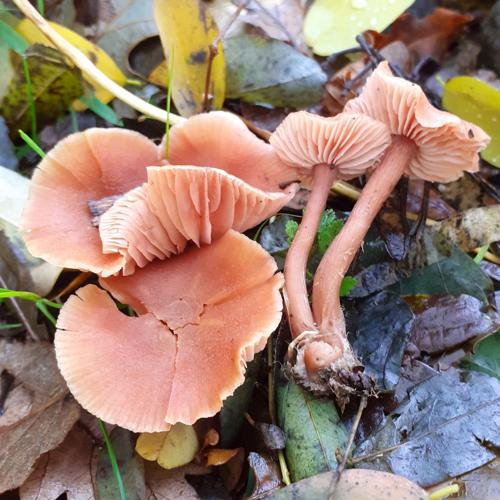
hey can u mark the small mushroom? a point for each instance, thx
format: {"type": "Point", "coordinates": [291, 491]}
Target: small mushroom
{"type": "Point", "coordinates": [428, 144]}
{"type": "Point", "coordinates": [201, 317]}
{"type": "Point", "coordinates": [322, 150]}
{"type": "Point", "coordinates": [85, 167]}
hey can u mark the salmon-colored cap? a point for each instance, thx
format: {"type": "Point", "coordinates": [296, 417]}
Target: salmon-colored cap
{"type": "Point", "coordinates": [86, 166]}
{"type": "Point", "coordinates": [350, 143]}
{"type": "Point", "coordinates": [447, 145]}
{"type": "Point", "coordinates": [201, 317]}
{"type": "Point", "coordinates": [179, 204]}
{"type": "Point", "coordinates": [221, 140]}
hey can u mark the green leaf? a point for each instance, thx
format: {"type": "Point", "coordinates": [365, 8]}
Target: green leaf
{"type": "Point", "coordinates": [486, 356]}
{"type": "Point", "coordinates": [54, 86]}
{"type": "Point", "coordinates": [262, 70]}
{"type": "Point", "coordinates": [291, 228]}
{"type": "Point", "coordinates": [328, 229]}
{"type": "Point", "coordinates": [100, 109]}
{"type": "Point", "coordinates": [12, 39]}
{"type": "Point", "coordinates": [348, 283]}
{"type": "Point", "coordinates": [332, 25]}
{"type": "Point", "coordinates": [479, 103]}
{"type": "Point", "coordinates": [455, 275]}
{"type": "Point", "coordinates": [313, 431]}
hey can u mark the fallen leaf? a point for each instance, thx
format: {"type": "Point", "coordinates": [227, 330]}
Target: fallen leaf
{"type": "Point", "coordinates": [482, 483]}
{"type": "Point", "coordinates": [187, 30]}
{"type": "Point", "coordinates": [486, 356]}
{"type": "Point", "coordinates": [264, 476]}
{"type": "Point", "coordinates": [66, 469]}
{"type": "Point", "coordinates": [54, 84]}
{"type": "Point", "coordinates": [219, 456]}
{"type": "Point", "coordinates": [51, 414]}
{"type": "Point", "coordinates": [262, 70]}
{"type": "Point", "coordinates": [354, 484]}
{"type": "Point", "coordinates": [274, 438]}
{"type": "Point", "coordinates": [445, 322]}
{"type": "Point", "coordinates": [331, 25]}
{"type": "Point", "coordinates": [7, 156]}
{"type": "Point", "coordinates": [379, 328]}
{"type": "Point", "coordinates": [131, 469]}
{"type": "Point", "coordinates": [313, 430]}
{"type": "Point", "coordinates": [479, 103]}
{"type": "Point", "coordinates": [489, 37]}
{"type": "Point", "coordinates": [98, 56]}
{"type": "Point", "coordinates": [448, 426]}
{"type": "Point", "coordinates": [172, 448]}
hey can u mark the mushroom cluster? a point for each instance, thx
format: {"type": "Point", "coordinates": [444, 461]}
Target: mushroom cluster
{"type": "Point", "coordinates": [106, 201]}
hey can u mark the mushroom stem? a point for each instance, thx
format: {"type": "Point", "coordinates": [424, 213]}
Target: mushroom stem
{"type": "Point", "coordinates": [340, 254]}
{"type": "Point", "coordinates": [299, 310]}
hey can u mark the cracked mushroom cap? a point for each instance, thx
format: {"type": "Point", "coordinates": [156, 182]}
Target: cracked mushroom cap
{"type": "Point", "coordinates": [350, 143]}
{"type": "Point", "coordinates": [179, 204]}
{"type": "Point", "coordinates": [86, 166]}
{"type": "Point", "coordinates": [447, 145]}
{"type": "Point", "coordinates": [221, 140]}
{"type": "Point", "coordinates": [201, 317]}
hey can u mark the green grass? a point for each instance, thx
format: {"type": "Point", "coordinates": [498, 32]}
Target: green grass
{"type": "Point", "coordinates": [112, 459]}
{"type": "Point", "coordinates": [31, 143]}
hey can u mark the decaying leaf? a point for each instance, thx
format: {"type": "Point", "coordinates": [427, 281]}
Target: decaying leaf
{"type": "Point", "coordinates": [54, 87]}
{"type": "Point", "coordinates": [50, 417]}
{"type": "Point", "coordinates": [269, 71]}
{"type": "Point", "coordinates": [479, 103]}
{"type": "Point", "coordinates": [66, 469]}
{"type": "Point", "coordinates": [264, 476]}
{"type": "Point", "coordinates": [187, 30]}
{"type": "Point", "coordinates": [7, 157]}
{"type": "Point", "coordinates": [448, 426]}
{"type": "Point", "coordinates": [313, 431]}
{"type": "Point", "coordinates": [483, 483]}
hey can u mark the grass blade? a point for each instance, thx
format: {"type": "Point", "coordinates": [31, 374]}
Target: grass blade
{"type": "Point", "coordinates": [31, 143]}
{"type": "Point", "coordinates": [112, 459]}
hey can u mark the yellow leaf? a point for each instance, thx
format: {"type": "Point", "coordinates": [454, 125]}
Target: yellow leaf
{"type": "Point", "coordinates": [170, 449]}
{"type": "Point", "coordinates": [332, 25]}
{"type": "Point", "coordinates": [187, 30]}
{"type": "Point", "coordinates": [219, 456]}
{"type": "Point", "coordinates": [33, 35]}
{"type": "Point", "coordinates": [479, 103]}
{"type": "Point", "coordinates": [159, 75]}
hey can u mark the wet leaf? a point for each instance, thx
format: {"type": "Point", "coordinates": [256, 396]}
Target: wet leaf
{"type": "Point", "coordinates": [354, 484]}
{"type": "Point", "coordinates": [98, 56]}
{"type": "Point", "coordinates": [274, 438]}
{"type": "Point", "coordinates": [263, 70]}
{"type": "Point", "coordinates": [220, 456]}
{"type": "Point", "coordinates": [482, 483]}
{"type": "Point", "coordinates": [486, 356]}
{"type": "Point", "coordinates": [231, 416]}
{"type": "Point", "coordinates": [379, 328]}
{"type": "Point", "coordinates": [66, 469]}
{"type": "Point", "coordinates": [42, 422]}
{"type": "Point", "coordinates": [448, 426]}
{"type": "Point", "coordinates": [131, 469]}
{"type": "Point", "coordinates": [455, 275]}
{"type": "Point", "coordinates": [171, 449]}
{"type": "Point", "coordinates": [264, 476]}
{"type": "Point", "coordinates": [479, 103]}
{"type": "Point", "coordinates": [187, 30]}
{"type": "Point", "coordinates": [313, 430]}
{"type": "Point", "coordinates": [332, 25]}
{"type": "Point", "coordinates": [54, 86]}
{"type": "Point", "coordinates": [445, 322]}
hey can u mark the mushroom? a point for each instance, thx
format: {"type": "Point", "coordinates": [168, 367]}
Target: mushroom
{"type": "Point", "coordinates": [427, 144]}
{"type": "Point", "coordinates": [322, 150]}
{"type": "Point", "coordinates": [201, 317]}
{"type": "Point", "coordinates": [84, 167]}
{"type": "Point", "coordinates": [185, 203]}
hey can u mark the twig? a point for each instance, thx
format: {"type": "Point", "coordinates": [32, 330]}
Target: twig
{"type": "Point", "coordinates": [90, 70]}
{"type": "Point", "coordinates": [376, 57]}
{"type": "Point", "coordinates": [424, 209]}
{"type": "Point", "coordinates": [485, 184]}
{"type": "Point", "coordinates": [213, 50]}
{"type": "Point", "coordinates": [20, 313]}
{"type": "Point", "coordinates": [352, 435]}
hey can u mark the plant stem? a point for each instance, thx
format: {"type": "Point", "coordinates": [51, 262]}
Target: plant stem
{"type": "Point", "coordinates": [112, 459]}
{"type": "Point", "coordinates": [31, 102]}
{"type": "Point", "coordinates": [339, 256]}
{"type": "Point", "coordinates": [300, 314]}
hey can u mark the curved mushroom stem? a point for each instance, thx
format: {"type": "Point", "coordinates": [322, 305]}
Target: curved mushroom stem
{"type": "Point", "coordinates": [299, 310]}
{"type": "Point", "coordinates": [340, 254]}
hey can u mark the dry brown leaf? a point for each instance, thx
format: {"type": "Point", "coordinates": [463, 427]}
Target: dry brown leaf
{"type": "Point", "coordinates": [171, 484]}
{"type": "Point", "coordinates": [65, 469]}
{"type": "Point", "coordinates": [25, 435]}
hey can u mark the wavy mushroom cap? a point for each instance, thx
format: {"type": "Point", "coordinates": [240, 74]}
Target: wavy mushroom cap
{"type": "Point", "coordinates": [221, 140]}
{"type": "Point", "coordinates": [179, 204]}
{"type": "Point", "coordinates": [447, 145]}
{"type": "Point", "coordinates": [86, 166]}
{"type": "Point", "coordinates": [201, 317]}
{"type": "Point", "coordinates": [350, 143]}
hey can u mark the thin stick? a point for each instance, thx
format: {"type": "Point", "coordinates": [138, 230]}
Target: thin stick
{"type": "Point", "coordinates": [90, 70]}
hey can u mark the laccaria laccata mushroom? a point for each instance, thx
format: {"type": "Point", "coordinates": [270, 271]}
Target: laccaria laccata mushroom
{"type": "Point", "coordinates": [427, 144]}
